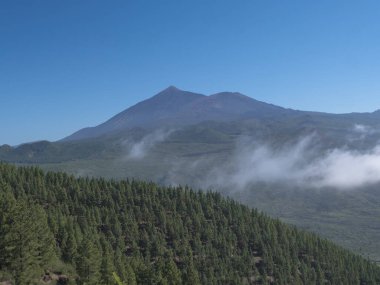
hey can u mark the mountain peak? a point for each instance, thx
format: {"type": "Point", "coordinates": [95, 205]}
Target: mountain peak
{"type": "Point", "coordinates": [173, 106]}
{"type": "Point", "coordinates": [170, 89]}
{"type": "Point", "coordinates": [175, 95]}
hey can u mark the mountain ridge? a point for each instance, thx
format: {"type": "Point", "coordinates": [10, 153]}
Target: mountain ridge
{"type": "Point", "coordinates": [164, 101]}
{"type": "Point", "coordinates": [176, 107]}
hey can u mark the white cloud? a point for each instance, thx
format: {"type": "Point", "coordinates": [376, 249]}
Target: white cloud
{"type": "Point", "coordinates": [362, 129]}
{"type": "Point", "coordinates": [346, 169]}
{"type": "Point", "coordinates": [301, 164]}
{"type": "Point", "coordinates": [140, 149]}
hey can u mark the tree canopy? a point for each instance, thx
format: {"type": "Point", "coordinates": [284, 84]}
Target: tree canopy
{"type": "Point", "coordinates": [72, 230]}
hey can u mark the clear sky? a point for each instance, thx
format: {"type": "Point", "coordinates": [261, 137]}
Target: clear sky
{"type": "Point", "coordinates": [69, 64]}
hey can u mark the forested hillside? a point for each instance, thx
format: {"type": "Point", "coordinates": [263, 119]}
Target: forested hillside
{"type": "Point", "coordinates": [57, 228]}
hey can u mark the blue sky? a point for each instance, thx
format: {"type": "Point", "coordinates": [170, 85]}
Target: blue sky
{"type": "Point", "coordinates": [69, 64]}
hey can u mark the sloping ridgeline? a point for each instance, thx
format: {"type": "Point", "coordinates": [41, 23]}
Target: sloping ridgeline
{"type": "Point", "coordinates": [56, 228]}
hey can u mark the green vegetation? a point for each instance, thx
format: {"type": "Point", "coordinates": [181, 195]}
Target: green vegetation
{"type": "Point", "coordinates": [57, 228]}
{"type": "Point", "coordinates": [350, 218]}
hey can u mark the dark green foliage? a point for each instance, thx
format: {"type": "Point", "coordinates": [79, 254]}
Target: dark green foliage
{"type": "Point", "coordinates": [27, 245]}
{"type": "Point", "coordinates": [152, 235]}
{"type": "Point", "coordinates": [88, 262]}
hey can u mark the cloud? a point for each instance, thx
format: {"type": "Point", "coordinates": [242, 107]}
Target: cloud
{"type": "Point", "coordinates": [140, 149]}
{"type": "Point", "coordinates": [346, 169]}
{"type": "Point", "coordinates": [303, 164]}
{"type": "Point", "coordinates": [363, 129]}
{"type": "Point", "coordinates": [361, 132]}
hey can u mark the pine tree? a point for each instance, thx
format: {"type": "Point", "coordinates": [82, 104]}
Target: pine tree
{"type": "Point", "coordinates": [106, 268]}
{"type": "Point", "coordinates": [29, 245]}
{"type": "Point", "coordinates": [88, 262]}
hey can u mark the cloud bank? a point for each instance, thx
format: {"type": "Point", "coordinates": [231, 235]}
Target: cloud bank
{"type": "Point", "coordinates": [301, 164]}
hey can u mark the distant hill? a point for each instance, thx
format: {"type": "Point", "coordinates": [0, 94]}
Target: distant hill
{"type": "Point", "coordinates": [56, 229]}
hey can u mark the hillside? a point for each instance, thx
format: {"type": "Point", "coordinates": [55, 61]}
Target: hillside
{"type": "Point", "coordinates": [80, 231]}
{"type": "Point", "coordinates": [348, 218]}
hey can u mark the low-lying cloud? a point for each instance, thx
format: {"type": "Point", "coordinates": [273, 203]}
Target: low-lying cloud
{"type": "Point", "coordinates": [361, 132]}
{"type": "Point", "coordinates": [140, 149]}
{"type": "Point", "coordinates": [301, 164]}
{"type": "Point", "coordinates": [363, 129]}
{"type": "Point", "coordinates": [347, 169]}
{"type": "Point", "coordinates": [305, 163]}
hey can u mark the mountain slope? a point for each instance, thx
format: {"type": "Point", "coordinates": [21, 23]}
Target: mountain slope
{"type": "Point", "coordinates": [148, 113]}
{"type": "Point", "coordinates": [154, 235]}
{"type": "Point", "coordinates": [227, 106]}
{"type": "Point", "coordinates": [173, 107]}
